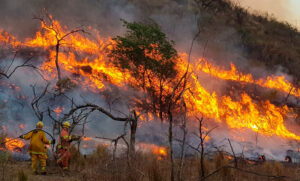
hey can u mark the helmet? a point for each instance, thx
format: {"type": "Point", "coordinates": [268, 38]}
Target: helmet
{"type": "Point", "coordinates": [66, 124]}
{"type": "Point", "coordinates": [40, 124]}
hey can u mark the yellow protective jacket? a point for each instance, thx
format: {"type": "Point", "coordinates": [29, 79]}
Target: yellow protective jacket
{"type": "Point", "coordinates": [37, 142]}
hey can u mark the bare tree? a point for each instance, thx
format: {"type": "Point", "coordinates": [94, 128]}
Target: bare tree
{"type": "Point", "coordinates": [36, 102]}
{"type": "Point", "coordinates": [200, 148]}
{"type": "Point", "coordinates": [183, 143]}
{"type": "Point", "coordinates": [132, 119]}
{"type": "Point", "coordinates": [60, 37]}
{"type": "Point", "coordinates": [7, 72]}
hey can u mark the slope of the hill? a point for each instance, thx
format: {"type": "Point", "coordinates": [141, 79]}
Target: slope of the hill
{"type": "Point", "coordinates": [259, 38]}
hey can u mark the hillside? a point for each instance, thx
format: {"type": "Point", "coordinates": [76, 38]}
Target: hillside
{"type": "Point", "coordinates": [149, 90]}
{"type": "Point", "coordinates": [263, 39]}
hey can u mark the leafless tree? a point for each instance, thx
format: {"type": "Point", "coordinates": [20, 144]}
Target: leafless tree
{"type": "Point", "coordinates": [183, 127]}
{"type": "Point", "coordinates": [60, 37]}
{"type": "Point", "coordinates": [8, 71]}
{"type": "Point", "coordinates": [132, 119]}
{"type": "Point", "coordinates": [36, 102]}
{"type": "Point", "coordinates": [233, 153]}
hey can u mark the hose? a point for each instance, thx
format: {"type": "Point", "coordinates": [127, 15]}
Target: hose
{"type": "Point", "coordinates": [39, 130]}
{"type": "Point", "coordinates": [26, 134]}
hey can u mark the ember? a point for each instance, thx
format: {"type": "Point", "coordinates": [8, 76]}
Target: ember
{"type": "Point", "coordinates": [262, 158]}
{"type": "Point", "coordinates": [84, 138]}
{"type": "Point", "coordinates": [58, 110]}
{"type": "Point", "coordinates": [288, 159]}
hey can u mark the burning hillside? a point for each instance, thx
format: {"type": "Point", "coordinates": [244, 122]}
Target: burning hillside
{"type": "Point", "coordinates": [100, 87]}
{"type": "Point", "coordinates": [85, 58]}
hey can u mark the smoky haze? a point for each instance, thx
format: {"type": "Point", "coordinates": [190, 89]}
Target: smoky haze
{"type": "Point", "coordinates": [177, 20]}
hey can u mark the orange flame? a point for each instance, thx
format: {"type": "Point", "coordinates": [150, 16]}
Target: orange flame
{"type": "Point", "coordinates": [93, 69]}
{"type": "Point", "coordinates": [84, 138]}
{"type": "Point", "coordinates": [160, 151]}
{"type": "Point", "coordinates": [58, 110]}
{"type": "Point", "coordinates": [14, 144]}
{"type": "Point", "coordinates": [273, 82]}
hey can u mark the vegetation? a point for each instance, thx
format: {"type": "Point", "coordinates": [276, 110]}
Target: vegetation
{"type": "Point", "coordinates": [264, 40]}
{"type": "Point", "coordinates": [149, 56]}
{"type": "Point", "coordinates": [146, 53]}
{"type": "Point", "coordinates": [143, 48]}
{"type": "Point", "coordinates": [147, 167]}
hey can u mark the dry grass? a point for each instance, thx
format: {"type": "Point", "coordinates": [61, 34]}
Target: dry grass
{"type": "Point", "coordinates": [147, 167]}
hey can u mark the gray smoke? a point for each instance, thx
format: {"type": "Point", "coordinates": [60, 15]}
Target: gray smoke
{"type": "Point", "coordinates": [177, 19]}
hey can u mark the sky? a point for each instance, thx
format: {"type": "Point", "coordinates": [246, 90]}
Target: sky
{"type": "Point", "coordinates": [284, 10]}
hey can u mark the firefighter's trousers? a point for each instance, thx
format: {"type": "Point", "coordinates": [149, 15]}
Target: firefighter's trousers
{"type": "Point", "coordinates": [63, 158]}
{"type": "Point", "coordinates": [35, 159]}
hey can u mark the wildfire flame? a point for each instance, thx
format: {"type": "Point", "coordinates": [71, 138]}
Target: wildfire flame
{"type": "Point", "coordinates": [58, 110]}
{"type": "Point", "coordinates": [91, 65]}
{"type": "Point", "coordinates": [84, 138]}
{"type": "Point", "coordinates": [160, 151]}
{"type": "Point", "coordinates": [14, 144]}
{"type": "Point", "coordinates": [273, 82]}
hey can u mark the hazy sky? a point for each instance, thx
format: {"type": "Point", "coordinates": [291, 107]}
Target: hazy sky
{"type": "Point", "coordinates": [286, 10]}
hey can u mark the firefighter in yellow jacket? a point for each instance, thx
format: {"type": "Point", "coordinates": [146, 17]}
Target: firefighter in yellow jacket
{"type": "Point", "coordinates": [37, 148]}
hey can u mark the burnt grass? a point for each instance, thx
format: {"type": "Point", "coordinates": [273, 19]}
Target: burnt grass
{"type": "Point", "coordinates": [148, 167]}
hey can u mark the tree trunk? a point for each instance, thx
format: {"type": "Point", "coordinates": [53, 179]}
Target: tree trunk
{"type": "Point", "coordinates": [182, 154]}
{"type": "Point", "coordinates": [202, 149]}
{"type": "Point", "coordinates": [171, 143]}
{"type": "Point", "coordinates": [56, 61]}
{"type": "Point", "coordinates": [132, 136]}
{"type": "Point", "coordinates": [133, 128]}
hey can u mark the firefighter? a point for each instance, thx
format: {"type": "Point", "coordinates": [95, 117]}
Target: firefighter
{"type": "Point", "coordinates": [63, 146]}
{"type": "Point", "coordinates": [37, 148]}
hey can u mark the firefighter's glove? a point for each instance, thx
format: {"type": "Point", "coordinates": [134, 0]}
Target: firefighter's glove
{"type": "Point", "coordinates": [53, 142]}
{"type": "Point", "coordinates": [21, 137]}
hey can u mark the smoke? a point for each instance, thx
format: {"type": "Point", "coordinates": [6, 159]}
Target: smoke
{"type": "Point", "coordinates": [177, 20]}
{"type": "Point", "coordinates": [103, 15]}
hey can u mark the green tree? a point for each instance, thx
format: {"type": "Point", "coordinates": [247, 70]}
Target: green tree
{"type": "Point", "coordinates": [149, 56]}
{"type": "Point", "coordinates": [146, 53]}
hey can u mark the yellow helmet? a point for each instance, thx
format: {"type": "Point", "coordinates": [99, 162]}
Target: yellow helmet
{"type": "Point", "coordinates": [66, 124]}
{"type": "Point", "coordinates": [40, 124]}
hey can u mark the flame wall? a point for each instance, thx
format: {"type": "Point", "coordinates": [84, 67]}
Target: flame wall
{"type": "Point", "coordinates": [239, 117]}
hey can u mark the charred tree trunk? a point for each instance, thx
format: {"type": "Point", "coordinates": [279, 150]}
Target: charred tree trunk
{"type": "Point", "coordinates": [182, 154]}
{"type": "Point", "coordinates": [56, 61]}
{"type": "Point", "coordinates": [171, 144]}
{"type": "Point", "coordinates": [133, 127]}
{"type": "Point", "coordinates": [160, 102]}
{"type": "Point", "coordinates": [202, 149]}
